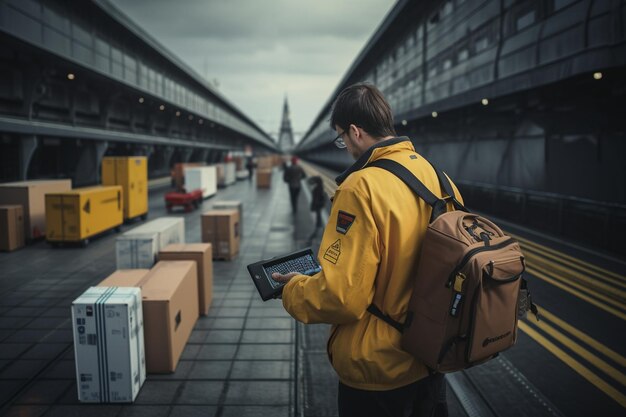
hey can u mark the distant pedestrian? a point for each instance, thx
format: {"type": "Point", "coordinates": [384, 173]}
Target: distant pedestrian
{"type": "Point", "coordinates": [318, 202]}
{"type": "Point", "coordinates": [250, 167]}
{"type": "Point", "coordinates": [292, 176]}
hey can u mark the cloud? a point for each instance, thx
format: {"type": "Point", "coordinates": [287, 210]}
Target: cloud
{"type": "Point", "coordinates": [259, 50]}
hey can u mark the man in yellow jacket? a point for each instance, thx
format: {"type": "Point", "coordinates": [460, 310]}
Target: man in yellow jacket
{"type": "Point", "coordinates": [369, 254]}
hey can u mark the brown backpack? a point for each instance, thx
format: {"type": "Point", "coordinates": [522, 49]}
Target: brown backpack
{"type": "Point", "coordinates": [468, 292]}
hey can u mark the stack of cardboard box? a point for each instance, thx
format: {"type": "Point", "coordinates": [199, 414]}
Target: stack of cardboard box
{"type": "Point", "coordinates": [263, 178]}
{"type": "Point", "coordinates": [139, 320]}
{"type": "Point", "coordinates": [221, 229]}
{"type": "Point", "coordinates": [31, 196]}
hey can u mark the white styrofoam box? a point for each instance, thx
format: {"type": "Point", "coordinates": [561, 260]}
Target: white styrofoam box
{"type": "Point", "coordinates": [231, 168]}
{"type": "Point", "coordinates": [203, 178]}
{"type": "Point", "coordinates": [108, 344]}
{"type": "Point", "coordinates": [136, 251]}
{"type": "Point", "coordinates": [170, 230]}
{"type": "Point", "coordinates": [226, 173]}
{"type": "Point", "coordinates": [242, 175]}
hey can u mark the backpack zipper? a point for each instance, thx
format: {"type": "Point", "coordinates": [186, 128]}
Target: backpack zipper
{"type": "Point", "coordinates": [473, 252]}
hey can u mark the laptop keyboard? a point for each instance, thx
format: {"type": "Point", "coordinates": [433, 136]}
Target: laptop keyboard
{"type": "Point", "coordinates": [305, 265]}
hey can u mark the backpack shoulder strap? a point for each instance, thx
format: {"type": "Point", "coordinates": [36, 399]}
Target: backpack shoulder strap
{"type": "Point", "coordinates": [408, 178]}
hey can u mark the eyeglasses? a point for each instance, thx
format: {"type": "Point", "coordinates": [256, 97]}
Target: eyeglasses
{"type": "Point", "coordinates": [338, 141]}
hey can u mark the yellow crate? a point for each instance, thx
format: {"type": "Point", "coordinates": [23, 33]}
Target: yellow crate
{"type": "Point", "coordinates": [131, 172]}
{"type": "Point", "coordinates": [76, 215]}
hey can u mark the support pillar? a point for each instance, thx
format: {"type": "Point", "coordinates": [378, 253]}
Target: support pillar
{"type": "Point", "coordinates": [28, 145]}
{"type": "Point", "coordinates": [88, 166]}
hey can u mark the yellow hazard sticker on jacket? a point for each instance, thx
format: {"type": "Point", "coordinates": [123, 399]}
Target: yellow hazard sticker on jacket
{"type": "Point", "coordinates": [333, 252]}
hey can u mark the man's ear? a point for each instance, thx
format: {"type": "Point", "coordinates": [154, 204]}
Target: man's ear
{"type": "Point", "coordinates": [355, 131]}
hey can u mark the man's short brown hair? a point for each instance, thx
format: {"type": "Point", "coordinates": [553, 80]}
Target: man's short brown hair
{"type": "Point", "coordinates": [365, 106]}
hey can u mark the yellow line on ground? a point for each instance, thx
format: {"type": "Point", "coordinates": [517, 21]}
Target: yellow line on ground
{"type": "Point", "coordinates": [561, 255]}
{"type": "Point", "coordinates": [619, 305]}
{"type": "Point", "coordinates": [539, 254]}
{"type": "Point", "coordinates": [585, 338]}
{"type": "Point", "coordinates": [582, 352]}
{"type": "Point", "coordinates": [579, 280]}
{"type": "Point", "coordinates": [578, 294]}
{"type": "Point", "coordinates": [575, 365]}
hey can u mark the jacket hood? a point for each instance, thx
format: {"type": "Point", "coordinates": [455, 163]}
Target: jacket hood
{"type": "Point", "coordinates": [365, 158]}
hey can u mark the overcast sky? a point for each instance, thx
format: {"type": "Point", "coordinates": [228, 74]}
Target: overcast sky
{"type": "Point", "coordinates": [260, 50]}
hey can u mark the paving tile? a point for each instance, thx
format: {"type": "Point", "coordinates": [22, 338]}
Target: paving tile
{"type": "Point", "coordinates": [269, 312]}
{"type": "Point", "coordinates": [232, 312]}
{"type": "Point", "coordinates": [64, 369]}
{"type": "Point", "coordinates": [24, 312]}
{"type": "Point", "coordinates": [23, 369]}
{"type": "Point", "coordinates": [255, 393]}
{"type": "Point", "coordinates": [13, 350]}
{"type": "Point", "coordinates": [25, 336]}
{"type": "Point", "coordinates": [182, 371]}
{"type": "Point", "coordinates": [14, 322]}
{"type": "Point", "coordinates": [8, 388]}
{"type": "Point", "coordinates": [135, 410]}
{"type": "Point", "coordinates": [45, 350]}
{"type": "Point", "coordinates": [198, 336]}
{"type": "Point", "coordinates": [100, 410]}
{"type": "Point", "coordinates": [223, 336]}
{"type": "Point", "coordinates": [265, 352]}
{"type": "Point", "coordinates": [200, 392]}
{"type": "Point", "coordinates": [44, 392]}
{"type": "Point", "coordinates": [216, 351]}
{"type": "Point", "coordinates": [58, 336]}
{"type": "Point", "coordinates": [158, 392]}
{"type": "Point", "coordinates": [255, 411]}
{"type": "Point", "coordinates": [190, 351]}
{"type": "Point", "coordinates": [26, 411]}
{"type": "Point", "coordinates": [193, 411]}
{"type": "Point", "coordinates": [210, 370]}
{"type": "Point", "coordinates": [275, 323]}
{"type": "Point", "coordinates": [261, 370]}
{"type": "Point", "coordinates": [267, 336]}
{"type": "Point", "coordinates": [228, 323]}
{"type": "Point", "coordinates": [47, 322]}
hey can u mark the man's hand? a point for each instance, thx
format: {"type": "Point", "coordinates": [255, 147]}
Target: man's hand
{"type": "Point", "coordinates": [284, 278]}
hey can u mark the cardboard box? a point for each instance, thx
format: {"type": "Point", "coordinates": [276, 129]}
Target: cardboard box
{"type": "Point", "coordinates": [31, 196]}
{"type": "Point", "coordinates": [11, 227]}
{"type": "Point", "coordinates": [232, 204]}
{"type": "Point", "coordinates": [226, 174]}
{"type": "Point", "coordinates": [263, 178]}
{"type": "Point", "coordinates": [78, 214]}
{"type": "Point", "coordinates": [131, 172]}
{"type": "Point", "coordinates": [170, 308]}
{"type": "Point", "coordinates": [201, 178]}
{"type": "Point", "coordinates": [124, 278]}
{"type": "Point", "coordinates": [221, 229]}
{"type": "Point", "coordinates": [202, 254]}
{"type": "Point", "coordinates": [108, 344]}
{"type": "Point", "coordinates": [170, 304]}
{"type": "Point", "coordinates": [265, 162]}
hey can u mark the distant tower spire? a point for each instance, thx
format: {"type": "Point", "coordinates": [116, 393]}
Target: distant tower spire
{"type": "Point", "coordinates": [285, 137]}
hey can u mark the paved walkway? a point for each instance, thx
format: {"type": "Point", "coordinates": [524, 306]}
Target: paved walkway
{"type": "Point", "coordinates": [241, 360]}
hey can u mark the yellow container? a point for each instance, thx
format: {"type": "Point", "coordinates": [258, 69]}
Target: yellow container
{"type": "Point", "coordinates": [131, 172]}
{"type": "Point", "coordinates": [75, 216]}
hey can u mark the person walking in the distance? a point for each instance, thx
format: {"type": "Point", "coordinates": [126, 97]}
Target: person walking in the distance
{"type": "Point", "coordinates": [369, 255]}
{"type": "Point", "coordinates": [293, 176]}
{"type": "Point", "coordinates": [318, 202]}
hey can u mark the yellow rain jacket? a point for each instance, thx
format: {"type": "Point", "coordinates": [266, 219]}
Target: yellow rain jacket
{"type": "Point", "coordinates": [368, 254]}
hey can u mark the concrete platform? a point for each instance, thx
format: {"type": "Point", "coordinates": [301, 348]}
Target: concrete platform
{"type": "Point", "coordinates": [239, 361]}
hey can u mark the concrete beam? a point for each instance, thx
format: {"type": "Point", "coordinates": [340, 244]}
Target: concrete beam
{"type": "Point", "coordinates": [28, 145]}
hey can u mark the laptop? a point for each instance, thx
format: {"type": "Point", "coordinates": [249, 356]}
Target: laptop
{"type": "Point", "coordinates": [302, 261]}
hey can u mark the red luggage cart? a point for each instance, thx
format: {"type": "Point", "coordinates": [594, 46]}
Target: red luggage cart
{"type": "Point", "coordinates": [189, 201]}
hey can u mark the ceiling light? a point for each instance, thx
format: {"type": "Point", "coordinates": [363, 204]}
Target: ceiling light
{"type": "Point", "coordinates": [70, 76]}
{"type": "Point", "coordinates": [435, 114]}
{"type": "Point", "coordinates": [484, 101]}
{"type": "Point", "coordinates": [597, 75]}
{"type": "Point", "coordinates": [161, 107]}
{"type": "Point", "coordinates": [177, 113]}
{"type": "Point", "coordinates": [141, 99]}
{"type": "Point", "coordinates": [404, 122]}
